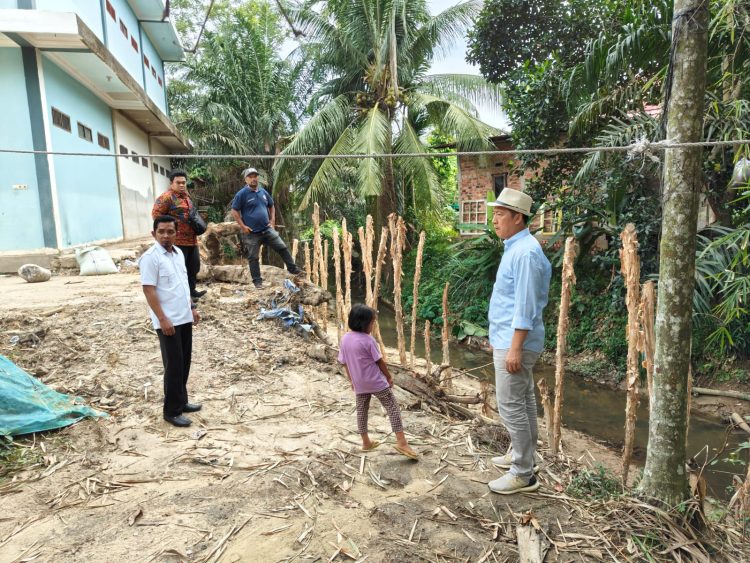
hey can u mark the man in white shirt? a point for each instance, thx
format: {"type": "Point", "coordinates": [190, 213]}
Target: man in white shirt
{"type": "Point", "coordinates": [173, 314]}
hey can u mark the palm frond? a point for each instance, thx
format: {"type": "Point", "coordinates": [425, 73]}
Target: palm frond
{"type": "Point", "coordinates": [317, 136]}
{"type": "Point", "coordinates": [474, 89]}
{"type": "Point", "coordinates": [372, 137]}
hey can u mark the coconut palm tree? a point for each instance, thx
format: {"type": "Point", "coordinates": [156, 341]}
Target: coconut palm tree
{"type": "Point", "coordinates": [378, 98]}
{"type": "Point", "coordinates": [237, 95]}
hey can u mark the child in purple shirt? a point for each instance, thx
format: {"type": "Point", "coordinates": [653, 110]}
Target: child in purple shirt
{"type": "Point", "coordinates": [369, 375]}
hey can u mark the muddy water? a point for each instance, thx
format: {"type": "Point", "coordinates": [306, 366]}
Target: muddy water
{"type": "Point", "coordinates": [594, 409]}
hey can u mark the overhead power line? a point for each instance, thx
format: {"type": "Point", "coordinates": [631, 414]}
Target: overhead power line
{"type": "Point", "coordinates": [639, 148]}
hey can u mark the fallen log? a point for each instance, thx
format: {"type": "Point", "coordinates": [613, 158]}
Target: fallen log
{"type": "Point", "coordinates": [309, 294]}
{"type": "Point", "coordinates": [720, 393]}
{"type": "Point", "coordinates": [210, 241]}
{"type": "Point", "coordinates": [740, 422]}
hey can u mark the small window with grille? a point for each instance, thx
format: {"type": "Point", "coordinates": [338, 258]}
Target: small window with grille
{"type": "Point", "coordinates": [473, 216]}
{"type": "Point", "coordinates": [60, 119]}
{"type": "Point", "coordinates": [85, 133]}
{"type": "Point", "coordinates": [103, 141]}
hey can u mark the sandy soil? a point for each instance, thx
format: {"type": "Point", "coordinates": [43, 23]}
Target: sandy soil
{"type": "Point", "coordinates": [270, 469]}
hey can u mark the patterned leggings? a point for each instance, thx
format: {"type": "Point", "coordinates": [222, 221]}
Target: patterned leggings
{"type": "Point", "coordinates": [388, 400]}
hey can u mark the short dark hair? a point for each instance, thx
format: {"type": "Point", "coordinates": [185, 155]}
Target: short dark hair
{"type": "Point", "coordinates": [360, 317]}
{"type": "Point", "coordinates": [164, 219]}
{"type": "Point", "coordinates": [175, 173]}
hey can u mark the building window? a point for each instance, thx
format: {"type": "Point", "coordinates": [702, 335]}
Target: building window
{"type": "Point", "coordinates": [153, 72]}
{"type": "Point", "coordinates": [473, 216]}
{"type": "Point", "coordinates": [144, 162]}
{"type": "Point", "coordinates": [134, 43]}
{"type": "Point", "coordinates": [111, 11]}
{"type": "Point", "coordinates": [85, 133]}
{"type": "Point", "coordinates": [551, 221]}
{"type": "Point", "coordinates": [145, 62]}
{"type": "Point", "coordinates": [103, 141]}
{"type": "Point", "coordinates": [123, 150]}
{"type": "Point", "coordinates": [156, 167]}
{"type": "Point", "coordinates": [162, 171]}
{"type": "Point", "coordinates": [500, 183]}
{"type": "Point", "coordinates": [134, 157]}
{"type": "Point", "coordinates": [160, 82]}
{"type": "Point", "coordinates": [60, 119]}
{"type": "Point", "coordinates": [124, 29]}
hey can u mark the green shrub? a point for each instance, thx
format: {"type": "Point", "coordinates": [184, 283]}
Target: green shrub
{"type": "Point", "coordinates": [595, 484]}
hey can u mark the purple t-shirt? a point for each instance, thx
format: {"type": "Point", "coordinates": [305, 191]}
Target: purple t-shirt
{"type": "Point", "coordinates": [359, 352]}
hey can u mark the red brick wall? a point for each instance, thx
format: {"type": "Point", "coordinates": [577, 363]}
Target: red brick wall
{"type": "Point", "coordinates": [477, 174]}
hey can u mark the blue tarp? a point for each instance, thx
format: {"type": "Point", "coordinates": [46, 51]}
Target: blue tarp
{"type": "Point", "coordinates": [28, 405]}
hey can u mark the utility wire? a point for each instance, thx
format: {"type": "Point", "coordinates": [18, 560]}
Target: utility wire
{"type": "Point", "coordinates": [639, 148]}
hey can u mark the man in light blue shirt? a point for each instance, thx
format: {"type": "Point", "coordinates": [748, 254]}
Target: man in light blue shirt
{"type": "Point", "coordinates": [518, 298]}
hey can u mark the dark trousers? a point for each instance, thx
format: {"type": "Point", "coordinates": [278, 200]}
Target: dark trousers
{"type": "Point", "coordinates": [176, 352]}
{"type": "Point", "coordinates": [192, 264]}
{"type": "Point", "coordinates": [252, 242]}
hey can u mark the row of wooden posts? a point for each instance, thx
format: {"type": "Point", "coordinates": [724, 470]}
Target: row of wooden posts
{"type": "Point", "coordinates": [640, 301]}
{"type": "Point", "coordinates": [317, 264]}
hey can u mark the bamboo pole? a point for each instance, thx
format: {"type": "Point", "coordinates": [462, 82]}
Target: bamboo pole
{"type": "Point", "coordinates": [631, 271]}
{"type": "Point", "coordinates": [647, 339]}
{"type": "Point", "coordinates": [376, 285]}
{"type": "Point", "coordinates": [317, 247]}
{"type": "Point", "coordinates": [544, 392]}
{"type": "Point", "coordinates": [568, 281]}
{"type": "Point", "coordinates": [428, 359]}
{"type": "Point", "coordinates": [340, 320]}
{"type": "Point", "coordinates": [346, 239]}
{"type": "Point", "coordinates": [324, 283]}
{"type": "Point", "coordinates": [415, 296]}
{"type": "Point", "coordinates": [446, 376]}
{"type": "Point", "coordinates": [398, 258]}
{"type": "Point", "coordinates": [308, 269]}
{"type": "Point", "coordinates": [295, 248]}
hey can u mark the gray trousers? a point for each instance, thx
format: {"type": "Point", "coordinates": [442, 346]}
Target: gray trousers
{"type": "Point", "coordinates": [516, 403]}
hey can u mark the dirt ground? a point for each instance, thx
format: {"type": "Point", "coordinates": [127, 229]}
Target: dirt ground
{"type": "Point", "coordinates": [270, 469]}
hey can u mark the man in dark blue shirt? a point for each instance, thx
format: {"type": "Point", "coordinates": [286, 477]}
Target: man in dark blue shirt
{"type": "Point", "coordinates": [253, 209]}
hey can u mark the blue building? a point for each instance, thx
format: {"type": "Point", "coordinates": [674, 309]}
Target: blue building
{"type": "Point", "coordinates": [82, 76]}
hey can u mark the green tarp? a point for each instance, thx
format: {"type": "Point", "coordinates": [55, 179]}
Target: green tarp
{"type": "Point", "coordinates": [28, 405]}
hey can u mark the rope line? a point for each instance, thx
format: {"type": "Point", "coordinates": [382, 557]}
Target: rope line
{"type": "Point", "coordinates": [638, 148]}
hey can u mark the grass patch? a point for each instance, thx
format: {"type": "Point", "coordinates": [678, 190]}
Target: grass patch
{"type": "Point", "coordinates": [15, 457]}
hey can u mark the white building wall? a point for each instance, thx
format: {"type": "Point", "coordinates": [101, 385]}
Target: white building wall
{"type": "Point", "coordinates": [136, 188]}
{"type": "Point", "coordinates": [162, 169]}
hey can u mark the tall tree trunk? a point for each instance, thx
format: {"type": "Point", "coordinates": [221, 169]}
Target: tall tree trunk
{"type": "Point", "coordinates": [664, 478]}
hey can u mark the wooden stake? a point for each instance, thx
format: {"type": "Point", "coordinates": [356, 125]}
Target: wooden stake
{"type": "Point", "coordinates": [340, 320]}
{"type": "Point", "coordinates": [346, 240]}
{"type": "Point", "coordinates": [324, 282]}
{"type": "Point", "coordinates": [376, 286]}
{"type": "Point", "coordinates": [295, 248]}
{"type": "Point", "coordinates": [446, 377]}
{"type": "Point", "coordinates": [631, 271]}
{"type": "Point", "coordinates": [647, 340]}
{"type": "Point", "coordinates": [427, 342]}
{"type": "Point", "coordinates": [398, 256]}
{"type": "Point", "coordinates": [308, 268]}
{"type": "Point", "coordinates": [544, 391]}
{"type": "Point", "coordinates": [317, 247]}
{"type": "Point", "coordinates": [568, 281]}
{"type": "Point", "coordinates": [367, 252]}
{"type": "Point", "coordinates": [415, 296]}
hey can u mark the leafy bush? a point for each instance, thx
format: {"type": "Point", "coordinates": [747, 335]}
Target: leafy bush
{"type": "Point", "coordinates": [597, 483]}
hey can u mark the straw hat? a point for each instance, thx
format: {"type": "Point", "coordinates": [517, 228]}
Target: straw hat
{"type": "Point", "coordinates": [515, 200]}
